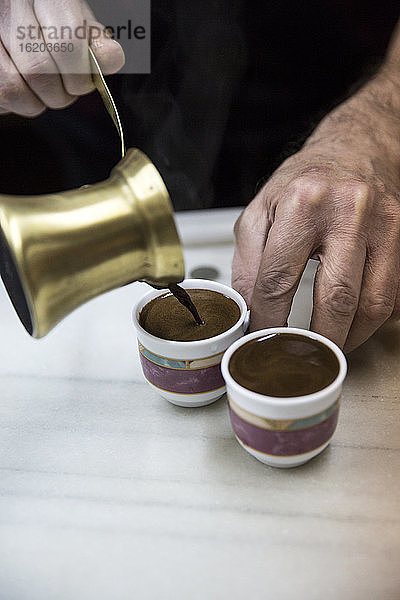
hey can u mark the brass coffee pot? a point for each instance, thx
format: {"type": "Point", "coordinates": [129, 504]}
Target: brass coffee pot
{"type": "Point", "coordinates": [57, 251]}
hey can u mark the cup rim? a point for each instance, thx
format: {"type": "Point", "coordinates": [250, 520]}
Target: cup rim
{"type": "Point", "coordinates": [291, 401]}
{"type": "Point", "coordinates": [192, 284]}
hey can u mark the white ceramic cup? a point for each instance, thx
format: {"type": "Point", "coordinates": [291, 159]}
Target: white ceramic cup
{"type": "Point", "coordinates": [188, 373]}
{"type": "Point", "coordinates": [284, 432]}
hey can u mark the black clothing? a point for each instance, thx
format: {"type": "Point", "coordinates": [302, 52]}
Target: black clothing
{"type": "Point", "coordinates": [235, 87]}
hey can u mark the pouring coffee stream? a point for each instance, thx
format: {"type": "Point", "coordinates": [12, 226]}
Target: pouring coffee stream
{"type": "Point", "coordinates": [183, 297]}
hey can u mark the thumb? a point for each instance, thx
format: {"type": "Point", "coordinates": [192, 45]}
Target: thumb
{"type": "Point", "coordinates": [108, 52]}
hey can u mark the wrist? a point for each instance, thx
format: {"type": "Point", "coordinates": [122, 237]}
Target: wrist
{"type": "Point", "coordinates": [383, 91]}
{"type": "Point", "coordinates": [369, 121]}
{"type": "Point", "coordinates": [386, 83]}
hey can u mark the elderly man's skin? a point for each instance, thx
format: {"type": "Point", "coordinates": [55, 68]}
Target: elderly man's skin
{"type": "Point", "coordinates": [31, 82]}
{"type": "Point", "coordinates": [337, 200]}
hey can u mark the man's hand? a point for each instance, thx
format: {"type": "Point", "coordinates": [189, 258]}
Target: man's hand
{"type": "Point", "coordinates": [338, 200]}
{"type": "Point", "coordinates": [30, 80]}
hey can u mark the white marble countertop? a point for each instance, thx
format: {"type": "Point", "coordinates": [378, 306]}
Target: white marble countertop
{"type": "Point", "coordinates": [109, 492]}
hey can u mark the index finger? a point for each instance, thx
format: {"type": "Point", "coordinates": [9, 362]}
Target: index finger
{"type": "Point", "coordinates": [288, 248]}
{"type": "Point", "coordinates": [33, 61]}
{"type": "Point", "coordinates": [250, 231]}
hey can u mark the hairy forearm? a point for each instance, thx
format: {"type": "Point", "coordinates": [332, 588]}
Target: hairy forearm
{"type": "Point", "coordinates": [392, 60]}
{"type": "Point", "coordinates": [367, 124]}
{"type": "Point", "coordinates": [336, 199]}
{"type": "Point", "coordinates": [387, 81]}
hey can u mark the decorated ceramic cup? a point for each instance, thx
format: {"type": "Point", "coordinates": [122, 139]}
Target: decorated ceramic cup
{"type": "Point", "coordinates": [188, 373]}
{"type": "Point", "coordinates": [284, 432]}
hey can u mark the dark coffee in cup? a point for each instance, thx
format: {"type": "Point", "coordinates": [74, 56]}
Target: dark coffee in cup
{"type": "Point", "coordinates": [165, 317]}
{"type": "Point", "coordinates": [284, 365]}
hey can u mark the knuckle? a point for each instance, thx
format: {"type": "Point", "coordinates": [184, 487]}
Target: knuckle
{"type": "Point", "coordinates": [242, 281]}
{"type": "Point", "coordinates": [306, 191]}
{"type": "Point", "coordinates": [277, 283]}
{"type": "Point", "coordinates": [68, 102]}
{"type": "Point", "coordinates": [59, 101]}
{"type": "Point", "coordinates": [80, 88]}
{"type": "Point", "coordinates": [15, 97]}
{"type": "Point", "coordinates": [39, 69]}
{"type": "Point", "coordinates": [361, 194]}
{"type": "Point", "coordinates": [378, 309]}
{"type": "Point", "coordinates": [34, 112]}
{"type": "Point", "coordinates": [11, 90]}
{"type": "Point", "coordinates": [360, 190]}
{"type": "Point", "coordinates": [307, 185]}
{"type": "Point", "coordinates": [341, 300]}
{"type": "Point", "coordinates": [49, 89]}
